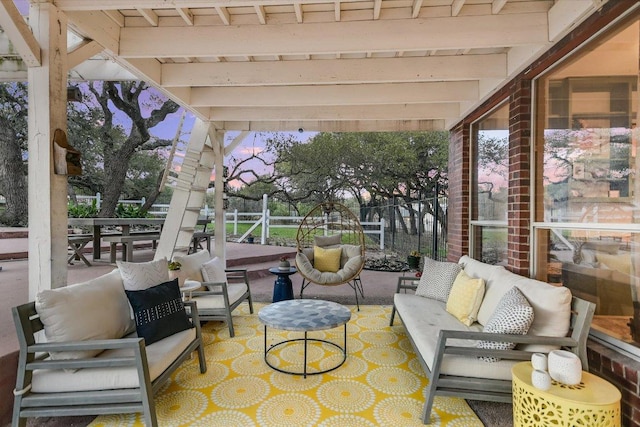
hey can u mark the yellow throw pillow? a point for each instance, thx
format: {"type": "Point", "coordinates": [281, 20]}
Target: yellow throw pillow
{"type": "Point", "coordinates": [465, 298]}
{"type": "Point", "coordinates": [618, 262]}
{"type": "Point", "coordinates": [326, 259]}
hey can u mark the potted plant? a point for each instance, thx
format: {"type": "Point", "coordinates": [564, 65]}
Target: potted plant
{"type": "Point", "coordinates": [284, 263]}
{"type": "Point", "coordinates": [413, 260]}
{"type": "Point", "coordinates": [250, 238]}
{"type": "Point", "coordinates": [175, 272]}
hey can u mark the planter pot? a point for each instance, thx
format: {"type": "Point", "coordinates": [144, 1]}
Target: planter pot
{"type": "Point", "coordinates": [284, 265]}
{"type": "Point", "coordinates": [179, 275]}
{"type": "Point", "coordinates": [413, 262]}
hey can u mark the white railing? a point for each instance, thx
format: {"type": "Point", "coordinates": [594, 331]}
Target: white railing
{"type": "Point", "coordinates": [265, 219]}
{"type": "Point", "coordinates": [83, 199]}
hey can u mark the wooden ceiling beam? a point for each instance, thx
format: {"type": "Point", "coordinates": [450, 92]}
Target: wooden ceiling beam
{"type": "Point", "coordinates": [334, 125]}
{"type": "Point", "coordinates": [333, 71]}
{"type": "Point", "coordinates": [421, 34]}
{"type": "Point", "coordinates": [338, 112]}
{"type": "Point", "coordinates": [362, 94]}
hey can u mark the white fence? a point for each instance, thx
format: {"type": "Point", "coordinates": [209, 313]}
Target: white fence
{"type": "Point", "coordinates": [256, 219]}
{"type": "Point", "coordinates": [81, 199]}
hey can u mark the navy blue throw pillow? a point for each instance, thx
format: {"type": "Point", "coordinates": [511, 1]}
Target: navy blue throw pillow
{"type": "Point", "coordinates": [158, 311]}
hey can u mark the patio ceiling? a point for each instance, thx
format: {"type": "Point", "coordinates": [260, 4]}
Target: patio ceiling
{"type": "Point", "coordinates": [319, 65]}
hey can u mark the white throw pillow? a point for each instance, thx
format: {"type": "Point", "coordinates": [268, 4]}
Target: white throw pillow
{"type": "Point", "coordinates": [513, 315]}
{"type": "Point", "coordinates": [437, 279]}
{"type": "Point", "coordinates": [138, 276]}
{"type": "Point", "coordinates": [191, 265]}
{"type": "Point", "coordinates": [93, 310]}
{"type": "Point", "coordinates": [213, 271]}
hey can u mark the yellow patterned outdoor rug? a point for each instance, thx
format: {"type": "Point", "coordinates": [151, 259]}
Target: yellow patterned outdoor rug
{"type": "Point", "coordinates": [380, 384]}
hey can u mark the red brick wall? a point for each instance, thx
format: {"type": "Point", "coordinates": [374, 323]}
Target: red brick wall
{"type": "Point", "coordinates": [621, 371]}
{"type": "Point", "coordinates": [459, 202]}
{"type": "Point", "coordinates": [518, 199]}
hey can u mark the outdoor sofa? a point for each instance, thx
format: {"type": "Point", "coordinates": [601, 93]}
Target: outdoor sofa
{"type": "Point", "coordinates": [93, 360]}
{"type": "Point", "coordinates": [471, 355]}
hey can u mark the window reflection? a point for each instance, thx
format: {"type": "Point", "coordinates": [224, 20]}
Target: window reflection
{"type": "Point", "coordinates": [586, 167]}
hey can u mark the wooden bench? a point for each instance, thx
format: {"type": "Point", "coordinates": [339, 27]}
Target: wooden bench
{"type": "Point", "coordinates": [127, 243]}
{"type": "Point", "coordinates": [77, 242]}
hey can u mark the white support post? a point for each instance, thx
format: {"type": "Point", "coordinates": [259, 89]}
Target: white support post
{"type": "Point", "coordinates": [265, 220]}
{"type": "Point", "coordinates": [220, 217]}
{"type": "Point", "coordinates": [381, 233]}
{"type": "Point", "coordinates": [47, 112]}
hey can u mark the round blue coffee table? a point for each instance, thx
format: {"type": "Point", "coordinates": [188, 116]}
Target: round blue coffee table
{"type": "Point", "coordinates": [304, 315]}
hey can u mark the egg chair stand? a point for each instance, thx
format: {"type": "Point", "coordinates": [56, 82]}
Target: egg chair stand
{"type": "Point", "coordinates": [330, 226]}
{"type": "Point", "coordinates": [355, 284]}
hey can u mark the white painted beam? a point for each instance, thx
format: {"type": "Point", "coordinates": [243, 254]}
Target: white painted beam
{"type": "Point", "coordinates": [415, 8]}
{"type": "Point", "coordinates": [565, 15]}
{"type": "Point", "coordinates": [116, 17]}
{"type": "Point", "coordinates": [371, 70]}
{"type": "Point", "coordinates": [461, 32]}
{"type": "Point", "coordinates": [364, 94]}
{"type": "Point", "coordinates": [297, 8]}
{"type": "Point", "coordinates": [456, 6]}
{"type": "Point", "coordinates": [377, 5]}
{"type": "Point", "coordinates": [86, 50]}
{"type": "Point", "coordinates": [149, 15]}
{"type": "Point", "coordinates": [19, 33]}
{"type": "Point", "coordinates": [223, 13]}
{"type": "Point", "coordinates": [340, 112]}
{"type": "Point", "coordinates": [497, 5]}
{"type": "Point", "coordinates": [98, 27]}
{"type": "Point", "coordinates": [234, 144]}
{"type": "Point", "coordinates": [262, 17]}
{"type": "Point", "coordinates": [186, 15]}
{"type": "Point", "coordinates": [335, 125]}
{"type": "Point", "coordinates": [69, 5]}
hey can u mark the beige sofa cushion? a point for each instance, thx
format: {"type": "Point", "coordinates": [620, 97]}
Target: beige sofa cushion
{"type": "Point", "coordinates": [551, 304]}
{"type": "Point", "coordinates": [159, 356]}
{"type": "Point", "coordinates": [423, 318]}
{"type": "Point", "coordinates": [191, 264]}
{"type": "Point", "coordinates": [93, 310]}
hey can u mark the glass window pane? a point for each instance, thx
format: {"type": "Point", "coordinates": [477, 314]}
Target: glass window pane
{"type": "Point", "coordinates": [492, 166]}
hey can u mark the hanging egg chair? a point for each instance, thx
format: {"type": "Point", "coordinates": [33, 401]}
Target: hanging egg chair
{"type": "Point", "coordinates": [330, 243]}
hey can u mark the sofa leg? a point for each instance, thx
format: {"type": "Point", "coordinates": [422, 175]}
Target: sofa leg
{"type": "Point", "coordinates": [201, 358]}
{"type": "Point", "coordinates": [393, 315]}
{"type": "Point", "coordinates": [428, 403]}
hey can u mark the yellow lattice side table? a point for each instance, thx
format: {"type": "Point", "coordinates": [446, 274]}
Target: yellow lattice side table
{"type": "Point", "coordinates": [594, 402]}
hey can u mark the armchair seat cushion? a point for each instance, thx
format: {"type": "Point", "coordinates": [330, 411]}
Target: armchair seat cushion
{"type": "Point", "coordinates": [213, 302]}
{"type": "Point", "coordinates": [159, 356]}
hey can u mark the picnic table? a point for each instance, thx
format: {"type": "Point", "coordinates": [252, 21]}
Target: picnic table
{"type": "Point", "coordinates": [124, 223]}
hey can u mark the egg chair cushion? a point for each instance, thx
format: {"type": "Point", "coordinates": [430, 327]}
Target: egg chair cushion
{"type": "Point", "coordinates": [327, 240]}
{"type": "Point", "coordinates": [348, 270]}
